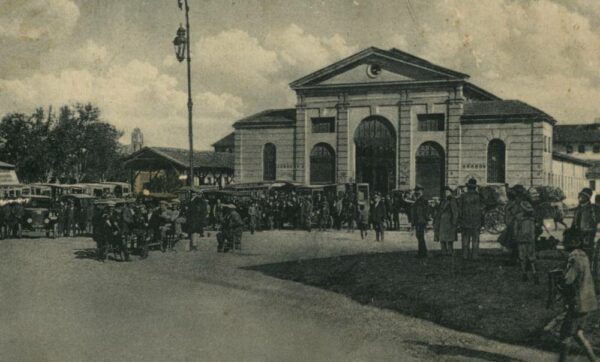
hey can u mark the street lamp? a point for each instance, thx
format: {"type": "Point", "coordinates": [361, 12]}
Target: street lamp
{"type": "Point", "coordinates": [182, 51]}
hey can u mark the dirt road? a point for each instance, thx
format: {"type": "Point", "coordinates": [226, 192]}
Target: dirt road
{"type": "Point", "coordinates": [57, 304]}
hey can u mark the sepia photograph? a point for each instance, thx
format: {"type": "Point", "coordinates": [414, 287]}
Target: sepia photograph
{"type": "Point", "coordinates": [318, 180]}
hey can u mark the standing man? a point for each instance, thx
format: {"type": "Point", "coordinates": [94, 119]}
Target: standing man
{"type": "Point", "coordinates": [419, 219]}
{"type": "Point", "coordinates": [379, 216]}
{"type": "Point", "coordinates": [308, 209]}
{"type": "Point", "coordinates": [471, 213]}
{"type": "Point", "coordinates": [520, 213]}
{"type": "Point", "coordinates": [252, 215]}
{"type": "Point", "coordinates": [197, 220]}
{"type": "Point", "coordinates": [232, 226]}
{"type": "Point", "coordinates": [585, 223]}
{"type": "Point", "coordinates": [578, 291]}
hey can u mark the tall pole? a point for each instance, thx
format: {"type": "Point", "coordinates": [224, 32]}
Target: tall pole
{"type": "Point", "coordinates": [189, 103]}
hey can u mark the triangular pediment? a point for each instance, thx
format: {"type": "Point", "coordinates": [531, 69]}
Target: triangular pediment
{"type": "Point", "coordinates": [363, 74]}
{"type": "Point", "coordinates": [391, 65]}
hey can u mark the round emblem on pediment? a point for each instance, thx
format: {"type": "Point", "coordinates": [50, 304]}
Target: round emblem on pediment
{"type": "Point", "coordinates": [373, 70]}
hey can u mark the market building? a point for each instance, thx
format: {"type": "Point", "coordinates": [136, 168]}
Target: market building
{"type": "Point", "coordinates": [394, 120]}
{"type": "Point", "coordinates": [165, 167]}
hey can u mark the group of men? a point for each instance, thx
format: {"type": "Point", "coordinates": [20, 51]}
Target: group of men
{"type": "Point", "coordinates": [135, 226]}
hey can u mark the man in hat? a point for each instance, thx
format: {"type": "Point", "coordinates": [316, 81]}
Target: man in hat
{"type": "Point", "coordinates": [471, 212]}
{"type": "Point", "coordinates": [577, 288]}
{"type": "Point", "coordinates": [378, 216]}
{"type": "Point", "coordinates": [419, 219]}
{"type": "Point", "coordinates": [520, 221]}
{"type": "Point", "coordinates": [232, 226]}
{"type": "Point", "coordinates": [584, 223]}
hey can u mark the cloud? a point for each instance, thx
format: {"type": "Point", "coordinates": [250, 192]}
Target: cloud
{"type": "Point", "coordinates": [135, 94]}
{"type": "Point", "coordinates": [305, 52]}
{"type": "Point", "coordinates": [524, 50]}
{"type": "Point", "coordinates": [38, 19]}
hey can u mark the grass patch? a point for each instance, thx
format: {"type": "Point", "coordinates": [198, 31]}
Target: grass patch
{"type": "Point", "coordinates": [485, 297]}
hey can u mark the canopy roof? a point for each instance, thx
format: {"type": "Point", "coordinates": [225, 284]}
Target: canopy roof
{"type": "Point", "coordinates": [162, 158]}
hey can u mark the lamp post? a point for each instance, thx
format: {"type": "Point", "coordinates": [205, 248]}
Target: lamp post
{"type": "Point", "coordinates": [182, 51]}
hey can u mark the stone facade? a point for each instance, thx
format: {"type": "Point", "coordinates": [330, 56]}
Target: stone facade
{"type": "Point", "coordinates": [435, 116]}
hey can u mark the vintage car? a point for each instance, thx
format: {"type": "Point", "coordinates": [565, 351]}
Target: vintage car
{"type": "Point", "coordinates": [39, 214]}
{"type": "Point", "coordinates": [118, 189]}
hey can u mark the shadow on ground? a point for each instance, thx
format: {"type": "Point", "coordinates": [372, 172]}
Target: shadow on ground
{"type": "Point", "coordinates": [485, 297]}
{"type": "Point", "coordinates": [457, 351]}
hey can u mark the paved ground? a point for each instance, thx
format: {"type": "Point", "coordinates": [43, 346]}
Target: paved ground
{"type": "Point", "coordinates": [57, 304]}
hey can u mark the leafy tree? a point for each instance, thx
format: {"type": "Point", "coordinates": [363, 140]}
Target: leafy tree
{"type": "Point", "coordinates": [24, 144]}
{"type": "Point", "coordinates": [76, 146]}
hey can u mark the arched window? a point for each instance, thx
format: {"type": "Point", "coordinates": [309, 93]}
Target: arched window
{"type": "Point", "coordinates": [322, 164]}
{"type": "Point", "coordinates": [496, 162]}
{"type": "Point", "coordinates": [269, 162]}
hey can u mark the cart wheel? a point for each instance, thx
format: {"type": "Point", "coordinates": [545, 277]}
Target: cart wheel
{"type": "Point", "coordinates": [494, 221]}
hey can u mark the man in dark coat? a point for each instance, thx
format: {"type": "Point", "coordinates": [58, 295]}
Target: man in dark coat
{"type": "Point", "coordinates": [230, 236]}
{"type": "Point", "coordinates": [419, 219]}
{"type": "Point", "coordinates": [585, 223]}
{"type": "Point", "coordinates": [379, 216]}
{"type": "Point", "coordinates": [197, 220]}
{"type": "Point", "coordinates": [471, 213]}
{"type": "Point", "coordinates": [519, 212]}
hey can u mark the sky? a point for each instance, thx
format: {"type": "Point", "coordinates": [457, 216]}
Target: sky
{"type": "Point", "coordinates": [119, 55]}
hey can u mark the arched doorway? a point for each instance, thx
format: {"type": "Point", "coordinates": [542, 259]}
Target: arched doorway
{"type": "Point", "coordinates": [430, 169]}
{"type": "Point", "coordinates": [375, 141]}
{"type": "Point", "coordinates": [322, 164]}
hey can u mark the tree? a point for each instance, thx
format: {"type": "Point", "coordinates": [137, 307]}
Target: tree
{"type": "Point", "coordinates": [24, 144]}
{"type": "Point", "coordinates": [84, 147]}
{"type": "Point", "coordinates": [76, 146]}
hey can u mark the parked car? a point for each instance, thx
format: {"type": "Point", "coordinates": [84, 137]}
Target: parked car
{"type": "Point", "coordinates": [39, 214]}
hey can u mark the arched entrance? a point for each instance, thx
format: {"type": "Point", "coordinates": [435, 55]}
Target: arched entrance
{"type": "Point", "coordinates": [431, 169]}
{"type": "Point", "coordinates": [375, 141]}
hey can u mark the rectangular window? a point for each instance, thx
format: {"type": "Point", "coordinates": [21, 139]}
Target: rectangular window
{"type": "Point", "coordinates": [596, 148]}
{"type": "Point", "coordinates": [431, 122]}
{"type": "Point", "coordinates": [323, 125]}
{"type": "Point", "coordinates": [545, 144]}
{"type": "Point", "coordinates": [593, 185]}
{"type": "Point", "coordinates": [581, 149]}
{"type": "Point", "coordinates": [569, 149]}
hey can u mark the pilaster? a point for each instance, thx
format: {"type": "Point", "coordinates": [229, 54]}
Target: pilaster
{"type": "Point", "coordinates": [342, 157]}
{"type": "Point", "coordinates": [404, 141]}
{"type": "Point", "coordinates": [453, 140]}
{"type": "Point", "coordinates": [300, 141]}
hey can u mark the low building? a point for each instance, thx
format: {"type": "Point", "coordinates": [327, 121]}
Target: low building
{"type": "Point", "coordinates": [394, 120]}
{"type": "Point", "coordinates": [570, 174]}
{"type": "Point", "coordinates": [581, 141]}
{"type": "Point", "coordinates": [171, 165]}
{"type": "Point", "coordinates": [225, 144]}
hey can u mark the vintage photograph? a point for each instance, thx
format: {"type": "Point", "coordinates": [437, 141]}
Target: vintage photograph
{"type": "Point", "coordinates": [280, 180]}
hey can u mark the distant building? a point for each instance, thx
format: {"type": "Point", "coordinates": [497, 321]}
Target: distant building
{"type": "Point", "coordinates": [137, 140]}
{"type": "Point", "coordinates": [225, 144]}
{"type": "Point", "coordinates": [149, 163]}
{"type": "Point", "coordinates": [581, 141]}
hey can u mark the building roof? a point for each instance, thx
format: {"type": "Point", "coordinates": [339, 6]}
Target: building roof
{"type": "Point", "coordinates": [577, 133]}
{"type": "Point", "coordinates": [6, 166]}
{"type": "Point", "coordinates": [394, 55]}
{"type": "Point", "coordinates": [504, 109]}
{"type": "Point", "coordinates": [564, 157]}
{"type": "Point", "coordinates": [161, 157]}
{"type": "Point", "coordinates": [269, 117]}
{"type": "Point", "coordinates": [227, 141]}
